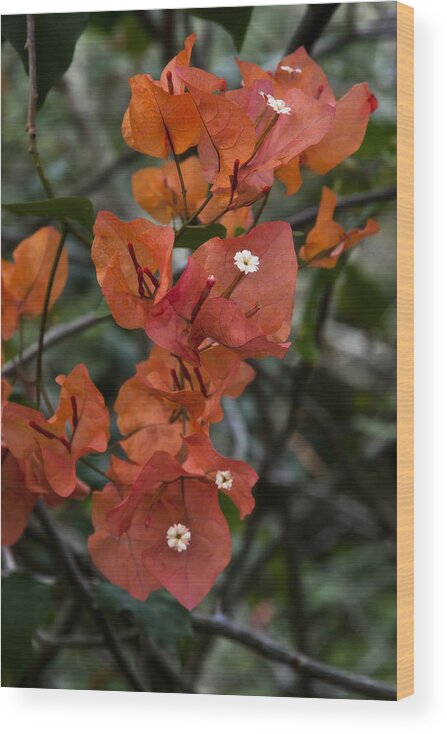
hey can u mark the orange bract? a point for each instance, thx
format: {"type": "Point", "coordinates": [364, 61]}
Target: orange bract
{"type": "Point", "coordinates": [165, 399]}
{"type": "Point", "coordinates": [161, 117]}
{"type": "Point", "coordinates": [117, 269]}
{"type": "Point", "coordinates": [298, 71]}
{"type": "Point", "coordinates": [158, 190]}
{"type": "Point", "coordinates": [249, 314]}
{"type": "Point", "coordinates": [47, 456]}
{"type": "Point", "coordinates": [327, 240]}
{"type": "Point", "coordinates": [25, 279]}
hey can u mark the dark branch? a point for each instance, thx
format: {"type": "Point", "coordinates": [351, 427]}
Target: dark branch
{"type": "Point", "coordinates": [270, 649]}
{"type": "Point", "coordinates": [83, 589]}
{"type": "Point", "coordinates": [312, 26]}
{"type": "Point", "coordinates": [54, 336]}
{"type": "Point", "coordinates": [346, 202]}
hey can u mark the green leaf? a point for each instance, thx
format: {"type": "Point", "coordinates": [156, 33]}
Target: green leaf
{"type": "Point", "coordinates": [103, 308]}
{"type": "Point", "coordinates": [192, 237]}
{"type": "Point", "coordinates": [56, 35]}
{"type": "Point", "coordinates": [234, 20]}
{"type": "Point", "coordinates": [362, 301]}
{"type": "Point", "coordinates": [72, 207]}
{"type": "Point", "coordinates": [305, 343]}
{"type": "Point", "coordinates": [161, 616]}
{"type": "Point", "coordinates": [25, 603]}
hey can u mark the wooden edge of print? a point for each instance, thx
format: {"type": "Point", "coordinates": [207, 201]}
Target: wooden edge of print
{"type": "Point", "coordinates": [405, 347]}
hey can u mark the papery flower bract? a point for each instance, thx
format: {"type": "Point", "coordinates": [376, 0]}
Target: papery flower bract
{"type": "Point", "coordinates": [189, 576]}
{"type": "Point", "coordinates": [119, 557]}
{"type": "Point", "coordinates": [327, 240]}
{"type": "Point", "coordinates": [161, 113]}
{"type": "Point", "coordinates": [134, 532]}
{"type": "Point", "coordinates": [204, 460]}
{"type": "Point", "coordinates": [232, 322]}
{"type": "Point", "coordinates": [350, 121]}
{"type": "Point", "coordinates": [154, 415]}
{"type": "Point", "coordinates": [158, 190]}
{"type": "Point", "coordinates": [272, 287]}
{"type": "Point", "coordinates": [257, 316]}
{"type": "Point", "coordinates": [228, 133]}
{"type": "Point", "coordinates": [352, 113]}
{"type": "Point", "coordinates": [144, 422]}
{"type": "Point", "coordinates": [47, 456]}
{"type": "Point", "coordinates": [18, 499]}
{"type": "Point", "coordinates": [25, 279]}
{"type": "Point", "coordinates": [117, 268]}
{"type": "Point", "coordinates": [279, 137]}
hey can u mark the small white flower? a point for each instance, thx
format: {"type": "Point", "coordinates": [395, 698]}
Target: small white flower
{"type": "Point", "coordinates": [246, 262]}
{"type": "Point", "coordinates": [178, 537]}
{"type": "Point", "coordinates": [278, 105]}
{"type": "Point", "coordinates": [291, 70]}
{"type": "Point", "coordinates": [224, 479]}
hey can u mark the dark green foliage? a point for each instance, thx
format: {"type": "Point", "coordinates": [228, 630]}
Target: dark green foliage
{"type": "Point", "coordinates": [234, 20]}
{"type": "Point", "coordinates": [161, 616]}
{"type": "Point", "coordinates": [25, 602]}
{"type": "Point", "coordinates": [56, 37]}
{"type": "Point", "coordinates": [71, 207]}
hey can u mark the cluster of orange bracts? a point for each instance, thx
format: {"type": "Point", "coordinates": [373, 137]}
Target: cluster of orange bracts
{"type": "Point", "coordinates": [157, 521]}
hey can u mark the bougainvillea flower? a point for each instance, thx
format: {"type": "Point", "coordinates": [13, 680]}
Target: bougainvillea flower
{"type": "Point", "coordinates": [158, 190]}
{"type": "Point", "coordinates": [25, 279]}
{"type": "Point", "coordinates": [120, 557]}
{"type": "Point", "coordinates": [166, 400]}
{"type": "Point", "coordinates": [228, 133]}
{"type": "Point", "coordinates": [188, 575]}
{"type": "Point", "coordinates": [47, 455]}
{"type": "Point", "coordinates": [161, 470]}
{"type": "Point", "coordinates": [133, 265]}
{"type": "Point", "coordinates": [234, 478]}
{"type": "Point", "coordinates": [352, 112]}
{"type": "Point", "coordinates": [251, 132]}
{"type": "Point", "coordinates": [247, 312]}
{"type": "Point", "coordinates": [144, 421]}
{"type": "Point", "coordinates": [168, 503]}
{"type": "Point", "coordinates": [18, 499]}
{"type": "Point", "coordinates": [143, 554]}
{"type": "Point", "coordinates": [327, 240]}
{"type": "Point", "coordinates": [161, 116]}
{"type": "Point", "coordinates": [271, 289]}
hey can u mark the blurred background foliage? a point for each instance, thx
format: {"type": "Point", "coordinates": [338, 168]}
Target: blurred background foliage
{"type": "Point", "coordinates": [314, 567]}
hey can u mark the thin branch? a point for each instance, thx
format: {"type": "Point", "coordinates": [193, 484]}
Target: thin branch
{"type": "Point", "coordinates": [84, 590]}
{"type": "Point", "coordinates": [272, 650]}
{"type": "Point", "coordinates": [346, 202]}
{"type": "Point", "coordinates": [258, 214]}
{"type": "Point", "coordinates": [32, 105]}
{"type": "Point", "coordinates": [55, 335]}
{"type": "Point", "coordinates": [66, 619]}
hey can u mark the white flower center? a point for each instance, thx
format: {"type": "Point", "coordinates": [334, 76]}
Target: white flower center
{"type": "Point", "coordinates": [178, 537]}
{"type": "Point", "coordinates": [291, 70]}
{"type": "Point", "coordinates": [246, 262]}
{"type": "Point", "coordinates": [278, 105]}
{"type": "Point", "coordinates": [224, 479]}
